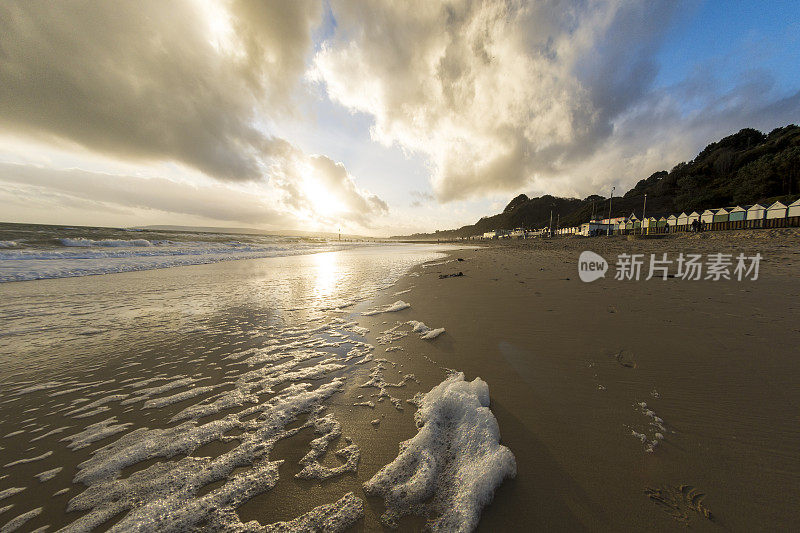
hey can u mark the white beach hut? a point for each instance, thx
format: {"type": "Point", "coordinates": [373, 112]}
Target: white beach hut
{"type": "Point", "coordinates": [672, 220]}
{"type": "Point", "coordinates": [756, 212]}
{"type": "Point", "coordinates": [794, 209]}
{"type": "Point", "coordinates": [708, 216]}
{"type": "Point", "coordinates": [694, 215]}
{"type": "Point", "coordinates": [776, 210]}
{"type": "Point", "coordinates": [683, 219]}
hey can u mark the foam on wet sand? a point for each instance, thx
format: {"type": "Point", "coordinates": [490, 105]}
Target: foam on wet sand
{"type": "Point", "coordinates": [451, 468]}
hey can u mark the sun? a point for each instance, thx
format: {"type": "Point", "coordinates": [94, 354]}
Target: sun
{"type": "Point", "coordinates": [323, 202]}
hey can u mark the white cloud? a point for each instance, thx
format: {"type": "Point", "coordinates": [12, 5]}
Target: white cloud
{"type": "Point", "coordinates": [180, 81]}
{"type": "Point", "coordinates": [508, 95]}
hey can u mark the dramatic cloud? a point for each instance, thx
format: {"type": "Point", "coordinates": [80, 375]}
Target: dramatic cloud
{"type": "Point", "coordinates": [320, 185]}
{"type": "Point", "coordinates": [478, 100]}
{"type": "Point", "coordinates": [505, 94]}
{"type": "Point", "coordinates": [182, 81]}
{"type": "Point", "coordinates": [117, 193]}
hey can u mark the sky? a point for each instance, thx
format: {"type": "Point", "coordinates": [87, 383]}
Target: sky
{"type": "Point", "coordinates": [374, 117]}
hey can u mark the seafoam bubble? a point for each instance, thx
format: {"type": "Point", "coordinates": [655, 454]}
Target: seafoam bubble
{"type": "Point", "coordinates": [452, 467]}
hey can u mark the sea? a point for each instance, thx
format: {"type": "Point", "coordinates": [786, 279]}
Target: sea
{"type": "Point", "coordinates": [36, 251]}
{"type": "Point", "coordinates": [177, 381]}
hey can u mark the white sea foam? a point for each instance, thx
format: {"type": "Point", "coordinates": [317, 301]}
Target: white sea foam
{"type": "Point", "coordinates": [20, 521]}
{"type": "Point", "coordinates": [164, 495]}
{"type": "Point", "coordinates": [38, 387]}
{"type": "Point", "coordinates": [399, 305]}
{"type": "Point", "coordinates": [179, 397]}
{"type": "Point", "coordinates": [7, 493]}
{"type": "Point", "coordinates": [8, 244]}
{"type": "Point", "coordinates": [51, 433]}
{"type": "Point", "coordinates": [26, 460]}
{"type": "Point", "coordinates": [146, 394]}
{"type": "Point", "coordinates": [452, 467]}
{"type": "Point", "coordinates": [330, 518]}
{"type": "Point", "coordinates": [47, 475]}
{"type": "Point", "coordinates": [424, 331]}
{"type": "Point", "coordinates": [390, 335]}
{"type": "Point", "coordinates": [377, 380]}
{"type": "Point", "coordinates": [329, 430]}
{"type": "Point", "coordinates": [95, 432]}
{"type": "Point", "coordinates": [113, 243]}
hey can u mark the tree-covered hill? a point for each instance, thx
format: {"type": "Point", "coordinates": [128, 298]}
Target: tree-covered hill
{"type": "Point", "coordinates": [743, 168]}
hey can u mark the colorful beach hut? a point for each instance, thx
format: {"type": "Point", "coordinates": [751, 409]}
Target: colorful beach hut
{"type": "Point", "coordinates": [721, 215]}
{"type": "Point", "coordinates": [737, 213]}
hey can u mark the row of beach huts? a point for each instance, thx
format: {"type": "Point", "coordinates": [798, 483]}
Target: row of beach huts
{"type": "Point", "coordinates": [775, 215]}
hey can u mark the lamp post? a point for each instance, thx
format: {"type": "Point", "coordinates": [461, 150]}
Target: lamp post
{"type": "Point", "coordinates": [550, 227]}
{"type": "Point", "coordinates": [644, 207]}
{"type": "Point", "coordinates": [608, 226]}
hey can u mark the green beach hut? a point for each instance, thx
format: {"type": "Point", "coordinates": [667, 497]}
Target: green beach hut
{"type": "Point", "coordinates": [735, 214]}
{"type": "Point", "coordinates": [721, 215]}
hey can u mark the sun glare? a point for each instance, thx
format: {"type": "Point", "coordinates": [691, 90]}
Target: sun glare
{"type": "Point", "coordinates": [218, 21]}
{"type": "Point", "coordinates": [322, 200]}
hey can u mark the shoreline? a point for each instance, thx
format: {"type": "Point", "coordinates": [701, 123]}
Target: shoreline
{"type": "Point", "coordinates": [568, 366]}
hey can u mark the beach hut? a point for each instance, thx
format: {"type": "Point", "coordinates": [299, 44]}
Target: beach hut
{"type": "Point", "coordinates": [737, 213]}
{"type": "Point", "coordinates": [708, 216]}
{"type": "Point", "coordinates": [721, 215]}
{"type": "Point", "coordinates": [694, 215]}
{"type": "Point", "coordinates": [776, 210]}
{"type": "Point", "coordinates": [756, 212]}
{"type": "Point", "coordinates": [672, 220]}
{"type": "Point", "coordinates": [683, 219]}
{"type": "Point", "coordinates": [662, 222]}
{"type": "Point", "coordinates": [794, 209]}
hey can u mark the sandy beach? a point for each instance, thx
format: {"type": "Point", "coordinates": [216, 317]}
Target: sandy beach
{"type": "Point", "coordinates": [569, 363]}
{"type": "Point", "coordinates": [627, 405]}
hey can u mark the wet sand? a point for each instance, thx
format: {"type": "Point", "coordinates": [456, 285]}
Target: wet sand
{"type": "Point", "coordinates": [569, 362]}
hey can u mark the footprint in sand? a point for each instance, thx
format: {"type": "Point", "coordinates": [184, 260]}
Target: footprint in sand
{"type": "Point", "coordinates": [682, 502]}
{"type": "Point", "coordinates": [623, 358]}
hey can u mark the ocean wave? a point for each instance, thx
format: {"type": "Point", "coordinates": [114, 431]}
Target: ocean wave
{"type": "Point", "coordinates": [81, 242]}
{"type": "Point", "coordinates": [25, 264]}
